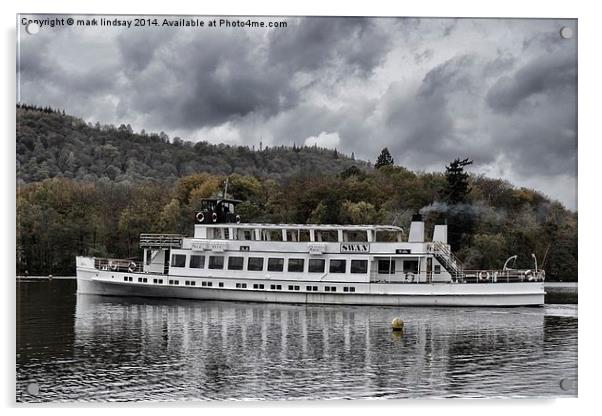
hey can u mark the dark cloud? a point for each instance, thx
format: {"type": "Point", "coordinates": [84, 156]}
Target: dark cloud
{"type": "Point", "coordinates": [500, 91]}
{"type": "Point", "coordinates": [355, 42]}
{"type": "Point", "coordinates": [540, 76]}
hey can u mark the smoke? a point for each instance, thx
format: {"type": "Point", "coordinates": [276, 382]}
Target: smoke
{"type": "Point", "coordinates": [485, 213]}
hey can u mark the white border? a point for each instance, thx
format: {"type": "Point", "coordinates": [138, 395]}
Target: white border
{"type": "Point", "coordinates": [589, 174]}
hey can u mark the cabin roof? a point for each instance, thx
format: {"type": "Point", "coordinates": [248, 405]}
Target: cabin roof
{"type": "Point", "coordinates": [322, 227]}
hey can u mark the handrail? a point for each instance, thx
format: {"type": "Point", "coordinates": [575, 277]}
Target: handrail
{"type": "Point", "coordinates": [161, 240]}
{"type": "Point", "coordinates": [118, 265]}
{"type": "Point", "coordinates": [508, 275]}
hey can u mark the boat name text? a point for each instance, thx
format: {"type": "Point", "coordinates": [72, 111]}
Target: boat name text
{"type": "Point", "coordinates": [355, 248]}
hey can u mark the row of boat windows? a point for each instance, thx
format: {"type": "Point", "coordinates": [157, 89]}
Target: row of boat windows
{"type": "Point", "coordinates": [274, 264]}
{"type": "Point", "coordinates": [259, 286]}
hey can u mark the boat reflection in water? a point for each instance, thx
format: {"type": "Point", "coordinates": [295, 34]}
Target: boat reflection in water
{"type": "Point", "coordinates": [144, 349]}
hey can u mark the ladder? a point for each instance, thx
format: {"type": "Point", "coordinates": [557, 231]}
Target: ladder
{"type": "Point", "coordinates": [447, 259]}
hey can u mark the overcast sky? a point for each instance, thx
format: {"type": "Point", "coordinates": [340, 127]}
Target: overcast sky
{"type": "Point", "coordinates": [500, 91]}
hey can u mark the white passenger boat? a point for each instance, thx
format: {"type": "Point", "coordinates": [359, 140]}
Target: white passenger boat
{"type": "Point", "coordinates": [305, 263]}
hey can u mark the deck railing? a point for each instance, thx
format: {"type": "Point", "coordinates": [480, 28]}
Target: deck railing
{"type": "Point", "coordinates": [161, 240]}
{"type": "Point", "coordinates": [503, 276]}
{"type": "Point", "coordinates": [118, 265]}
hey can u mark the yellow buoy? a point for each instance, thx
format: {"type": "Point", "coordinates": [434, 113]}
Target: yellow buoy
{"type": "Point", "coordinates": [397, 324]}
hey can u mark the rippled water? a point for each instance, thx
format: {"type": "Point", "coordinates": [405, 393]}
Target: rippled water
{"type": "Point", "coordinates": [92, 348]}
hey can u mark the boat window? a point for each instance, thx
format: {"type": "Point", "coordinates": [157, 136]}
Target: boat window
{"type": "Point", "coordinates": [410, 266]}
{"type": "Point", "coordinates": [197, 262]}
{"type": "Point", "coordinates": [296, 265]}
{"type": "Point", "coordinates": [337, 266]}
{"type": "Point", "coordinates": [304, 235]}
{"type": "Point", "coordinates": [292, 235]}
{"type": "Point", "coordinates": [387, 236]}
{"type": "Point", "coordinates": [271, 235]}
{"type": "Point", "coordinates": [216, 262]}
{"type": "Point", "coordinates": [246, 234]}
{"type": "Point", "coordinates": [359, 236]}
{"type": "Point", "coordinates": [386, 266]}
{"type": "Point", "coordinates": [275, 264]}
{"type": "Point", "coordinates": [437, 269]}
{"type": "Point", "coordinates": [178, 260]}
{"type": "Point", "coordinates": [235, 263]}
{"type": "Point", "coordinates": [255, 264]}
{"type": "Point", "coordinates": [329, 236]}
{"type": "Point", "coordinates": [359, 266]}
{"type": "Point", "coordinates": [316, 265]}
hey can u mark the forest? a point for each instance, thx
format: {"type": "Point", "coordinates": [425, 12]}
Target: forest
{"type": "Point", "coordinates": [91, 190]}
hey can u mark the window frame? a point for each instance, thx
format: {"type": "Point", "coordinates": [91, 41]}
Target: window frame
{"type": "Point", "coordinates": [309, 265]}
{"type": "Point", "coordinates": [254, 268]}
{"type": "Point", "coordinates": [175, 256]}
{"type": "Point", "coordinates": [296, 259]}
{"type": "Point", "coordinates": [271, 267]}
{"type": "Point", "coordinates": [242, 262]}
{"type": "Point", "coordinates": [210, 264]}
{"type": "Point", "coordinates": [340, 261]}
{"type": "Point", "coordinates": [202, 264]}
{"type": "Point", "coordinates": [365, 268]}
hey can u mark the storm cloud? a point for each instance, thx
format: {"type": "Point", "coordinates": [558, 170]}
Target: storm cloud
{"type": "Point", "coordinates": [500, 91]}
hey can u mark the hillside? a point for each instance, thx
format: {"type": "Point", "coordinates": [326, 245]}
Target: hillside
{"type": "Point", "coordinates": [52, 144]}
{"type": "Point", "coordinates": [91, 190]}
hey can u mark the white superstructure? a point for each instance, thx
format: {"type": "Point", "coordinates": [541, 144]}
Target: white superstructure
{"type": "Point", "coordinates": [306, 263]}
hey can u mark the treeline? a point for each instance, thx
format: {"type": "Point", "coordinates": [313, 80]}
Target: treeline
{"type": "Point", "coordinates": [60, 218]}
{"type": "Point", "coordinates": [51, 144]}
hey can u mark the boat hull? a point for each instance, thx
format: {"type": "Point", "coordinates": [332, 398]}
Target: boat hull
{"type": "Point", "coordinates": [93, 281]}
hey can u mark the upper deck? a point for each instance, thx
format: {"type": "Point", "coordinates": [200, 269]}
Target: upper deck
{"type": "Point", "coordinates": [299, 232]}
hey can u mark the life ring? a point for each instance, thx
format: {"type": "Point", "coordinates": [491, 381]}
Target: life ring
{"type": "Point", "coordinates": [543, 275]}
{"type": "Point", "coordinates": [238, 219]}
{"type": "Point", "coordinates": [484, 276]}
{"type": "Point", "coordinates": [112, 265]}
{"type": "Point", "coordinates": [132, 267]}
{"type": "Point", "coordinates": [410, 276]}
{"type": "Point", "coordinates": [200, 217]}
{"type": "Point", "coordinates": [214, 217]}
{"type": "Point", "coordinates": [530, 276]}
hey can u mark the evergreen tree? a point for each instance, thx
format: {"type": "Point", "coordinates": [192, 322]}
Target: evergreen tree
{"type": "Point", "coordinates": [457, 188]}
{"type": "Point", "coordinates": [461, 216]}
{"type": "Point", "coordinates": [384, 159]}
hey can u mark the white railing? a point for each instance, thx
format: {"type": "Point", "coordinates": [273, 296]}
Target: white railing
{"type": "Point", "coordinates": [161, 240]}
{"type": "Point", "coordinates": [118, 265]}
{"type": "Point", "coordinates": [504, 276]}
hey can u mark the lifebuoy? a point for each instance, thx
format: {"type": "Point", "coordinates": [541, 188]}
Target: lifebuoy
{"type": "Point", "coordinates": [214, 217]}
{"type": "Point", "coordinates": [484, 276]}
{"type": "Point", "coordinates": [112, 265]}
{"type": "Point", "coordinates": [410, 276]}
{"type": "Point", "coordinates": [543, 275]}
{"type": "Point", "coordinates": [238, 219]}
{"type": "Point", "coordinates": [200, 217]}
{"type": "Point", "coordinates": [132, 267]}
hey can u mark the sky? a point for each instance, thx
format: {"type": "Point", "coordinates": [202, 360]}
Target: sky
{"type": "Point", "coordinates": [502, 92]}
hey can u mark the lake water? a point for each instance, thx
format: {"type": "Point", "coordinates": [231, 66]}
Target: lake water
{"type": "Point", "coordinates": [91, 348]}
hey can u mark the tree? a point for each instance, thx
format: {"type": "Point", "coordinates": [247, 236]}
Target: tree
{"type": "Point", "coordinates": [384, 159]}
{"type": "Point", "coordinates": [461, 216]}
{"type": "Point", "coordinates": [457, 188]}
